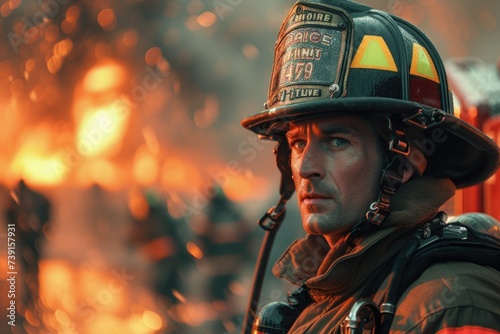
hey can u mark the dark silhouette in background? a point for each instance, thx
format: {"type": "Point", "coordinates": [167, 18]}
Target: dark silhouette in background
{"type": "Point", "coordinates": [156, 233]}
{"type": "Point", "coordinates": [30, 212]}
{"type": "Point", "coordinates": [225, 238]}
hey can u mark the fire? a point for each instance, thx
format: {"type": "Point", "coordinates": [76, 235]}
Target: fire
{"type": "Point", "coordinates": [101, 129]}
{"type": "Point", "coordinates": [34, 159]}
{"type": "Point", "coordinates": [100, 111]}
{"type": "Point", "coordinates": [88, 300]}
{"type": "Point", "coordinates": [105, 77]}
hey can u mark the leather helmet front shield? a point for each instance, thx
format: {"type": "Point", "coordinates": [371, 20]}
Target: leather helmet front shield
{"type": "Point", "coordinates": [311, 55]}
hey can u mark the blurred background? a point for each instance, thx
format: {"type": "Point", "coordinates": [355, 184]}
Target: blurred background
{"type": "Point", "coordinates": [133, 190]}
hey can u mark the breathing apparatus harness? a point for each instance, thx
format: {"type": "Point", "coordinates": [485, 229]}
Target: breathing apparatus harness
{"type": "Point", "coordinates": [434, 242]}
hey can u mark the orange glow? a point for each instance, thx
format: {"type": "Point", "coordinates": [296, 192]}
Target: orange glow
{"type": "Point", "coordinates": [472, 112]}
{"type": "Point", "coordinates": [92, 300]}
{"type": "Point", "coordinates": [194, 250]}
{"type": "Point", "coordinates": [145, 167]}
{"type": "Point", "coordinates": [13, 4]}
{"type": "Point", "coordinates": [56, 279]}
{"type": "Point", "coordinates": [73, 14]}
{"type": "Point", "coordinates": [30, 65]}
{"type": "Point", "coordinates": [107, 19]}
{"type": "Point", "coordinates": [36, 169]}
{"type": "Point", "coordinates": [104, 173]}
{"type": "Point", "coordinates": [101, 130]}
{"type": "Point", "coordinates": [104, 77]}
{"type": "Point", "coordinates": [192, 23]}
{"type": "Point", "coordinates": [239, 185]}
{"type": "Point", "coordinates": [52, 33]}
{"type": "Point", "coordinates": [205, 117]}
{"type": "Point", "coordinates": [206, 19]}
{"type": "Point", "coordinates": [5, 10]}
{"type": "Point", "coordinates": [130, 37]}
{"type": "Point", "coordinates": [152, 320]}
{"type": "Point", "coordinates": [107, 323]}
{"type": "Point", "coordinates": [17, 88]}
{"type": "Point", "coordinates": [180, 297]}
{"type": "Point", "coordinates": [137, 325]}
{"type": "Point", "coordinates": [153, 56]}
{"type": "Point", "coordinates": [35, 160]}
{"type": "Point", "coordinates": [137, 204]}
{"type": "Point", "coordinates": [179, 175]}
{"type": "Point", "coordinates": [68, 27]}
{"type": "Point", "coordinates": [195, 313]}
{"type": "Point", "coordinates": [54, 64]}
{"type": "Point", "coordinates": [62, 318]}
{"type": "Point", "coordinates": [151, 139]}
{"type": "Point", "coordinates": [250, 51]}
{"type": "Point", "coordinates": [457, 107]}
{"type": "Point", "coordinates": [159, 248]}
{"type": "Point", "coordinates": [63, 47]}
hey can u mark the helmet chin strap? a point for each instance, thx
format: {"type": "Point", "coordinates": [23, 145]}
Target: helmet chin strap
{"type": "Point", "coordinates": [392, 174]}
{"type": "Point", "coordinates": [271, 221]}
{"type": "Point", "coordinates": [273, 217]}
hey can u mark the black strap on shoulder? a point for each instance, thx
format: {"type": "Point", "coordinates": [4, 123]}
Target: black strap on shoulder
{"type": "Point", "coordinates": [447, 242]}
{"type": "Point", "coordinates": [456, 242]}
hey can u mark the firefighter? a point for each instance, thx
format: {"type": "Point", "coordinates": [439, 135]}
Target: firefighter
{"type": "Point", "coordinates": [225, 238]}
{"type": "Point", "coordinates": [158, 237]}
{"type": "Point", "coordinates": [363, 118]}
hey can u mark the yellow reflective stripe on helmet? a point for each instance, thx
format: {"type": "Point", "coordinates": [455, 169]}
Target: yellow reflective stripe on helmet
{"type": "Point", "coordinates": [374, 53]}
{"type": "Point", "coordinates": [422, 64]}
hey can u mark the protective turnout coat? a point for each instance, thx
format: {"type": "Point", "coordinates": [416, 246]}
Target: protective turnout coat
{"type": "Point", "coordinates": [451, 297]}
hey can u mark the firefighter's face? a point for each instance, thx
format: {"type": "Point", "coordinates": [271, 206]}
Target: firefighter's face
{"type": "Point", "coordinates": [336, 164]}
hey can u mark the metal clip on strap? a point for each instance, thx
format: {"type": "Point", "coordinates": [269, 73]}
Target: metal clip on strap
{"type": "Point", "coordinates": [272, 219]}
{"type": "Point", "coordinates": [378, 212]}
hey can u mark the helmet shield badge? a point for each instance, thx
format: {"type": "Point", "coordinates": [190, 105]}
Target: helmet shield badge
{"type": "Point", "coordinates": [308, 62]}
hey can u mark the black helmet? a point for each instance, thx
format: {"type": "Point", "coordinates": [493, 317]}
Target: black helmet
{"type": "Point", "coordinates": [338, 56]}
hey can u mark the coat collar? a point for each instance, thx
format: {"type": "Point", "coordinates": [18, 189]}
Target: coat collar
{"type": "Point", "coordinates": [343, 268]}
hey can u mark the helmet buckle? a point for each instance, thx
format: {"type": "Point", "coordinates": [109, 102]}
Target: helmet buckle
{"type": "Point", "coordinates": [398, 143]}
{"type": "Point", "coordinates": [425, 119]}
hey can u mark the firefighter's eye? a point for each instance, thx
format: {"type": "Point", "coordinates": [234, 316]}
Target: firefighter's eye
{"type": "Point", "coordinates": [297, 144]}
{"type": "Point", "coordinates": [338, 142]}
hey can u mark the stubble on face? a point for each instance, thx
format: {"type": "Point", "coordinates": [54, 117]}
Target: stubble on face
{"type": "Point", "coordinates": [336, 165]}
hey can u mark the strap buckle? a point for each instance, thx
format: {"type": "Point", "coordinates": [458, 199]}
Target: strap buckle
{"type": "Point", "coordinates": [378, 212]}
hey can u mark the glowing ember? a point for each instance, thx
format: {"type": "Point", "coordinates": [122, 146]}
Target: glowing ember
{"type": "Point", "coordinates": [194, 250]}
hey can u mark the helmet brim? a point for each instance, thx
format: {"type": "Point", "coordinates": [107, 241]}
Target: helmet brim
{"type": "Point", "coordinates": [454, 148]}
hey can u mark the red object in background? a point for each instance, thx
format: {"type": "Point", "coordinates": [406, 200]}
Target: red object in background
{"type": "Point", "coordinates": [476, 86]}
{"type": "Point", "coordinates": [492, 186]}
